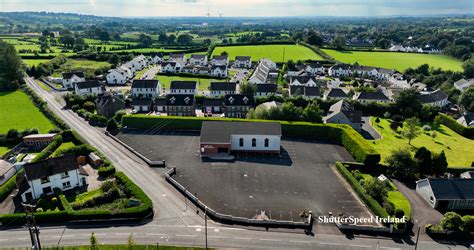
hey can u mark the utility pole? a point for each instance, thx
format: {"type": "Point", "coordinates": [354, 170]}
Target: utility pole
{"type": "Point", "coordinates": [417, 236]}
{"type": "Point", "coordinates": [205, 223]}
{"type": "Point", "coordinates": [32, 227]}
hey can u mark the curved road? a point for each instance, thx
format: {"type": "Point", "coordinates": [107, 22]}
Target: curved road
{"type": "Point", "coordinates": [173, 224]}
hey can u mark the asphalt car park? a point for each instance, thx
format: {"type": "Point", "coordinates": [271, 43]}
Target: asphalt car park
{"type": "Point", "coordinates": [280, 187]}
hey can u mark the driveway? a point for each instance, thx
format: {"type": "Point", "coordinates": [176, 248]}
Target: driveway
{"type": "Point", "coordinates": [369, 132]}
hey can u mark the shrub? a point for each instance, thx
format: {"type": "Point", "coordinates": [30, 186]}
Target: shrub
{"type": "Point", "coordinates": [426, 127]}
{"type": "Point", "coordinates": [376, 189]}
{"type": "Point", "coordinates": [46, 152]}
{"type": "Point", "coordinates": [451, 221]}
{"type": "Point", "coordinates": [12, 133]}
{"type": "Point", "coordinates": [387, 115]}
{"type": "Point", "coordinates": [468, 221]}
{"type": "Point", "coordinates": [89, 106]}
{"type": "Point", "coordinates": [389, 207]}
{"type": "Point", "coordinates": [377, 120]}
{"type": "Point", "coordinates": [105, 172]}
{"type": "Point", "coordinates": [357, 175]}
{"type": "Point", "coordinates": [399, 213]}
{"type": "Point", "coordinates": [112, 125]}
{"type": "Point", "coordinates": [7, 188]}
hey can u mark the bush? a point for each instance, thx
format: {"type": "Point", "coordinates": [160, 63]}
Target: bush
{"type": "Point", "coordinates": [426, 127]}
{"type": "Point", "coordinates": [89, 106]}
{"type": "Point", "coordinates": [7, 188]}
{"type": "Point", "coordinates": [105, 172]}
{"type": "Point", "coordinates": [399, 213]}
{"type": "Point", "coordinates": [468, 221]}
{"type": "Point", "coordinates": [455, 126]}
{"type": "Point", "coordinates": [377, 120]}
{"type": "Point", "coordinates": [387, 115]}
{"type": "Point", "coordinates": [389, 207]}
{"type": "Point", "coordinates": [451, 221]}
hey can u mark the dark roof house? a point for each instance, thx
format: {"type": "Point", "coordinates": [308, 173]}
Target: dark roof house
{"type": "Point", "coordinates": [145, 84]}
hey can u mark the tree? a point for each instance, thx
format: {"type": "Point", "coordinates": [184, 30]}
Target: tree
{"type": "Point", "coordinates": [290, 112]}
{"type": "Point", "coordinates": [247, 89]}
{"type": "Point", "coordinates": [67, 40]}
{"type": "Point", "coordinates": [312, 113]}
{"type": "Point", "coordinates": [408, 102]}
{"type": "Point", "coordinates": [440, 164]}
{"type": "Point", "coordinates": [12, 68]}
{"type": "Point", "coordinates": [376, 189]}
{"type": "Point", "coordinates": [468, 67]}
{"type": "Point", "coordinates": [112, 125]}
{"type": "Point", "coordinates": [162, 38]}
{"type": "Point", "coordinates": [145, 41]}
{"type": "Point", "coordinates": [260, 112]}
{"type": "Point", "coordinates": [89, 106]}
{"type": "Point", "coordinates": [314, 39]}
{"type": "Point", "coordinates": [423, 160]}
{"type": "Point", "coordinates": [339, 42]}
{"type": "Point", "coordinates": [171, 39]}
{"type": "Point", "coordinates": [467, 99]}
{"type": "Point", "coordinates": [93, 241]}
{"type": "Point", "coordinates": [383, 43]}
{"type": "Point", "coordinates": [401, 164]}
{"type": "Point", "coordinates": [451, 221]}
{"type": "Point", "coordinates": [411, 129]}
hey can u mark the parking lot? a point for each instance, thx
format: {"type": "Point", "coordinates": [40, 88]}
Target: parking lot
{"type": "Point", "coordinates": [281, 186]}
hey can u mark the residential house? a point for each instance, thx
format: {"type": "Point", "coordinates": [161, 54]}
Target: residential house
{"type": "Point", "coordinates": [309, 81]}
{"type": "Point", "coordinates": [305, 91]}
{"type": "Point", "coordinates": [158, 58]}
{"type": "Point", "coordinates": [7, 171]}
{"type": "Point", "coordinates": [140, 105]}
{"type": "Point", "coordinates": [190, 69]}
{"type": "Point", "coordinates": [447, 194]}
{"type": "Point", "coordinates": [262, 73]}
{"type": "Point", "coordinates": [342, 112]}
{"type": "Point", "coordinates": [244, 62]}
{"type": "Point", "coordinates": [265, 89]}
{"type": "Point", "coordinates": [212, 106]}
{"type": "Point", "coordinates": [340, 70]}
{"type": "Point", "coordinates": [130, 67]}
{"type": "Point", "coordinates": [92, 87]}
{"type": "Point", "coordinates": [467, 175]}
{"type": "Point", "coordinates": [222, 88]}
{"type": "Point", "coordinates": [69, 79]}
{"type": "Point", "coordinates": [335, 94]}
{"type": "Point", "coordinates": [42, 177]}
{"type": "Point", "coordinates": [315, 68]}
{"type": "Point", "coordinates": [184, 87]}
{"type": "Point", "coordinates": [220, 137]}
{"type": "Point", "coordinates": [371, 97]}
{"type": "Point", "coordinates": [108, 105]}
{"type": "Point", "coordinates": [219, 71]}
{"type": "Point", "coordinates": [237, 105]}
{"type": "Point", "coordinates": [146, 88]}
{"type": "Point", "coordinates": [434, 98]}
{"type": "Point", "coordinates": [168, 67]}
{"type": "Point", "coordinates": [139, 62]}
{"type": "Point", "coordinates": [467, 119]}
{"type": "Point", "coordinates": [180, 105]}
{"type": "Point", "coordinates": [198, 59]}
{"type": "Point", "coordinates": [128, 72]}
{"type": "Point", "coordinates": [372, 72]}
{"type": "Point", "coordinates": [464, 84]}
{"type": "Point", "coordinates": [38, 141]}
{"type": "Point", "coordinates": [117, 76]}
{"type": "Point", "coordinates": [222, 60]}
{"type": "Point", "coordinates": [180, 57]}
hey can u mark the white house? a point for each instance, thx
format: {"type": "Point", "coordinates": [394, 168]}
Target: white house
{"type": "Point", "coordinates": [181, 57]}
{"type": "Point", "coordinates": [197, 59]}
{"type": "Point", "coordinates": [262, 72]}
{"type": "Point", "coordinates": [130, 67]}
{"type": "Point", "coordinates": [447, 194]}
{"type": "Point", "coordinates": [139, 62]}
{"type": "Point", "coordinates": [373, 72]}
{"type": "Point", "coordinates": [69, 79]}
{"type": "Point", "coordinates": [371, 97]}
{"type": "Point", "coordinates": [219, 71]}
{"type": "Point", "coordinates": [92, 87]}
{"type": "Point", "coordinates": [146, 88]}
{"type": "Point", "coordinates": [434, 98]}
{"type": "Point", "coordinates": [158, 58]}
{"type": "Point", "coordinates": [184, 87]}
{"type": "Point", "coordinates": [142, 105]}
{"type": "Point", "coordinates": [225, 138]}
{"type": "Point", "coordinates": [342, 112]}
{"type": "Point", "coordinates": [315, 68]}
{"type": "Point", "coordinates": [339, 70]}
{"type": "Point", "coordinates": [117, 76]}
{"type": "Point", "coordinates": [42, 177]}
{"type": "Point", "coordinates": [128, 72]}
{"type": "Point", "coordinates": [168, 67]}
{"type": "Point", "coordinates": [220, 60]}
{"type": "Point", "coordinates": [222, 88]}
{"type": "Point", "coordinates": [464, 84]}
{"type": "Point", "coordinates": [265, 89]}
{"type": "Point", "coordinates": [243, 62]}
{"type": "Point", "coordinates": [309, 81]}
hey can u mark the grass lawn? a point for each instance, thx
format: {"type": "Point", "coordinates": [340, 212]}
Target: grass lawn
{"type": "Point", "coordinates": [82, 65]}
{"type": "Point", "coordinates": [147, 50]}
{"type": "Point", "coordinates": [87, 195]}
{"type": "Point", "coordinates": [203, 83]}
{"type": "Point", "coordinates": [17, 111]}
{"type": "Point", "coordinates": [457, 148]}
{"type": "Point", "coordinates": [63, 146]}
{"type": "Point", "coordinates": [274, 52]}
{"type": "Point", "coordinates": [395, 60]}
{"type": "Point", "coordinates": [4, 149]}
{"type": "Point", "coordinates": [123, 247]}
{"type": "Point", "coordinates": [34, 62]}
{"type": "Point", "coordinates": [42, 85]}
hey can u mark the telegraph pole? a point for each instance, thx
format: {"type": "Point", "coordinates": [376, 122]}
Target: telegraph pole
{"type": "Point", "coordinates": [32, 227]}
{"type": "Point", "coordinates": [205, 223]}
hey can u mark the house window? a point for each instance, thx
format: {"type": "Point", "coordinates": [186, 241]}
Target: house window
{"type": "Point", "coordinates": [241, 142]}
{"type": "Point", "coordinates": [44, 180]}
{"type": "Point", "coordinates": [66, 184]}
{"type": "Point", "coordinates": [254, 142]}
{"type": "Point", "coordinates": [47, 190]}
{"type": "Point", "coordinates": [266, 142]}
{"type": "Point", "coordinates": [64, 175]}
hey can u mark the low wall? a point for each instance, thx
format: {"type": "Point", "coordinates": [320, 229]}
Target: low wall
{"type": "Point", "coordinates": [229, 219]}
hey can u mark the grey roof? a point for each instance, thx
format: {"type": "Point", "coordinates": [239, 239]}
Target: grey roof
{"type": "Point", "coordinates": [173, 64]}
{"type": "Point", "coordinates": [51, 166]}
{"type": "Point", "coordinates": [142, 102]}
{"type": "Point", "coordinates": [198, 56]}
{"type": "Point", "coordinates": [267, 87]}
{"type": "Point", "coordinates": [223, 86]}
{"type": "Point", "coordinates": [221, 67]}
{"type": "Point", "coordinates": [147, 84]}
{"type": "Point", "coordinates": [88, 84]}
{"type": "Point", "coordinates": [183, 85]}
{"type": "Point", "coordinates": [179, 100]}
{"type": "Point", "coordinates": [212, 102]}
{"type": "Point", "coordinates": [221, 131]}
{"type": "Point", "coordinates": [341, 66]}
{"type": "Point", "coordinates": [434, 96]}
{"type": "Point", "coordinates": [70, 74]}
{"type": "Point", "coordinates": [304, 90]}
{"type": "Point", "coordinates": [372, 96]}
{"type": "Point", "coordinates": [221, 57]}
{"type": "Point", "coordinates": [242, 58]}
{"type": "Point", "coordinates": [238, 100]}
{"type": "Point", "coordinates": [452, 189]}
{"type": "Point", "coordinates": [337, 93]}
{"type": "Point", "coordinates": [33, 136]}
{"type": "Point", "coordinates": [5, 166]}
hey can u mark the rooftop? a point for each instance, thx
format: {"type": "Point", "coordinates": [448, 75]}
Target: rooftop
{"type": "Point", "coordinates": [220, 131]}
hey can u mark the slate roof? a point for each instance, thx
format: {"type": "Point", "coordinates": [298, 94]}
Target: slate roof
{"type": "Point", "coordinates": [345, 107]}
{"type": "Point", "coordinates": [183, 85]}
{"type": "Point", "coordinates": [220, 131]}
{"type": "Point", "coordinates": [221, 67]}
{"type": "Point", "coordinates": [212, 102]}
{"type": "Point", "coordinates": [336, 93]}
{"type": "Point", "coordinates": [147, 84]}
{"type": "Point", "coordinates": [452, 189]}
{"type": "Point", "coordinates": [88, 84]}
{"type": "Point", "coordinates": [243, 58]}
{"type": "Point", "coordinates": [222, 57]}
{"type": "Point", "coordinates": [432, 97]}
{"type": "Point", "coordinates": [223, 86]}
{"type": "Point", "coordinates": [70, 74]}
{"type": "Point", "coordinates": [173, 64]}
{"type": "Point", "coordinates": [198, 56]}
{"type": "Point", "coordinates": [179, 100]}
{"type": "Point", "coordinates": [304, 90]}
{"type": "Point", "coordinates": [238, 100]}
{"type": "Point", "coordinates": [266, 88]}
{"type": "Point", "coordinates": [141, 102]}
{"type": "Point", "coordinates": [341, 66]}
{"type": "Point", "coordinates": [5, 166]}
{"type": "Point", "coordinates": [33, 136]}
{"type": "Point", "coordinates": [379, 96]}
{"type": "Point", "coordinates": [51, 166]}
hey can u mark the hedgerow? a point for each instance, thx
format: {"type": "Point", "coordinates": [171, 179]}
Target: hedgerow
{"type": "Point", "coordinates": [455, 126]}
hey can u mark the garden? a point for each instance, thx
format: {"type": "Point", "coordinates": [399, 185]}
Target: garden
{"type": "Point", "coordinates": [203, 82]}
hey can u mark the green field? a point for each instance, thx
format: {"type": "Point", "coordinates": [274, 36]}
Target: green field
{"type": "Point", "coordinates": [395, 60]}
{"type": "Point", "coordinates": [4, 149]}
{"type": "Point", "coordinates": [203, 83]}
{"type": "Point", "coordinates": [34, 62]}
{"type": "Point", "coordinates": [82, 65]}
{"type": "Point", "coordinates": [17, 111]}
{"type": "Point", "coordinates": [457, 148]}
{"type": "Point", "coordinates": [273, 52]}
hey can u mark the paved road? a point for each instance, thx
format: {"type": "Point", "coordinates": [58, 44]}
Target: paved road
{"type": "Point", "coordinates": [150, 73]}
{"type": "Point", "coordinates": [369, 132]}
{"type": "Point", "coordinates": [173, 223]}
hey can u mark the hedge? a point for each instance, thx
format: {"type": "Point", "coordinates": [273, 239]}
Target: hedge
{"type": "Point", "coordinates": [369, 201]}
{"type": "Point", "coordinates": [359, 148]}
{"type": "Point", "coordinates": [7, 188]}
{"type": "Point", "coordinates": [131, 189]}
{"type": "Point", "coordinates": [47, 151]}
{"type": "Point", "coordinates": [455, 126]}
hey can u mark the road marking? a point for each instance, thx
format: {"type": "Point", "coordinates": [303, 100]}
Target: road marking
{"type": "Point", "coordinates": [270, 240]}
{"type": "Point", "coordinates": [153, 234]}
{"type": "Point", "coordinates": [3, 239]}
{"type": "Point", "coordinates": [21, 238]}
{"type": "Point", "coordinates": [364, 246]}
{"type": "Point", "coordinates": [217, 237]}
{"type": "Point", "coordinates": [198, 229]}
{"type": "Point", "coordinates": [122, 234]}
{"type": "Point", "coordinates": [184, 235]}
{"type": "Point", "coordinates": [100, 234]}
{"type": "Point", "coordinates": [300, 241]}
{"type": "Point", "coordinates": [394, 248]}
{"type": "Point", "coordinates": [331, 244]}
{"type": "Point", "coordinates": [242, 238]}
{"type": "Point", "coordinates": [216, 230]}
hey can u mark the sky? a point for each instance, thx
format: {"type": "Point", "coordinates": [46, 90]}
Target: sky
{"type": "Point", "coordinates": [243, 8]}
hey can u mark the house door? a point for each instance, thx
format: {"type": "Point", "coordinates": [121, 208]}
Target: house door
{"type": "Point", "coordinates": [83, 180]}
{"type": "Point", "coordinates": [28, 197]}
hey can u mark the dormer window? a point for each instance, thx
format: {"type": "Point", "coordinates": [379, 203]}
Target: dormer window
{"type": "Point", "coordinates": [245, 99]}
{"type": "Point", "coordinates": [172, 100]}
{"type": "Point", "coordinates": [187, 100]}
{"type": "Point", "coordinates": [231, 100]}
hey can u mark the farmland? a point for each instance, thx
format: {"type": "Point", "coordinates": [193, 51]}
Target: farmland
{"type": "Point", "coordinates": [18, 112]}
{"type": "Point", "coordinates": [457, 148]}
{"type": "Point", "coordinates": [274, 52]}
{"type": "Point", "coordinates": [395, 60]}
